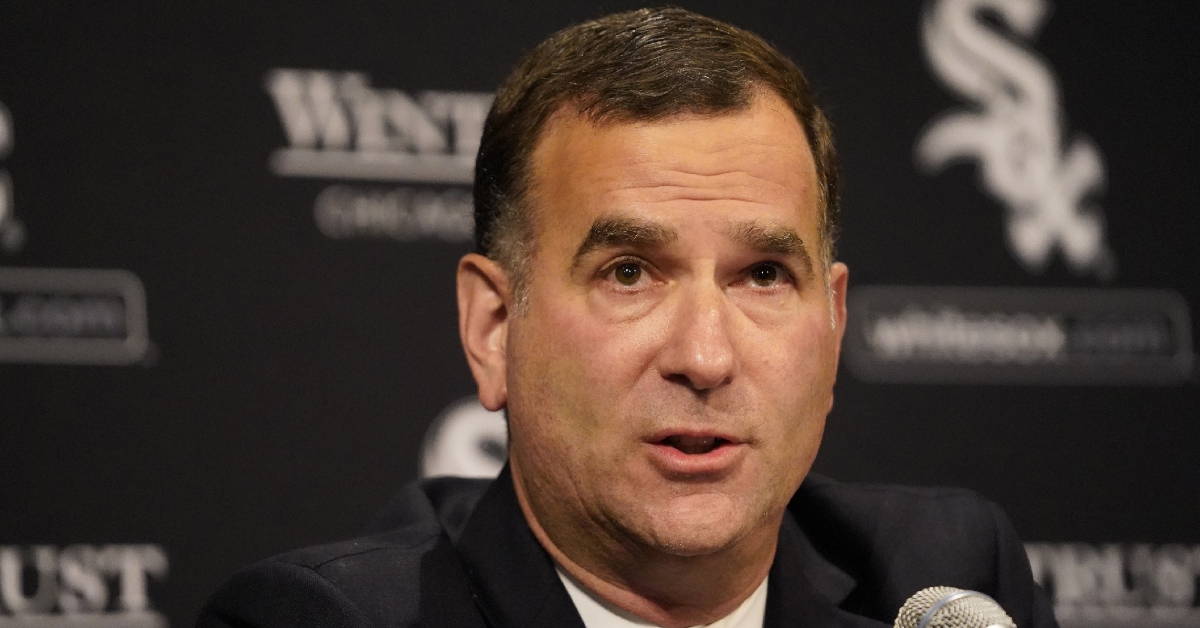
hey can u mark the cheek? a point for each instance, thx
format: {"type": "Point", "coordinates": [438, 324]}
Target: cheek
{"type": "Point", "coordinates": [799, 356]}
{"type": "Point", "coordinates": [570, 371]}
{"type": "Point", "coordinates": [796, 370]}
{"type": "Point", "coordinates": [595, 352]}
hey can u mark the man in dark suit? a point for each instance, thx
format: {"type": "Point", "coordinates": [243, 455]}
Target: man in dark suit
{"type": "Point", "coordinates": [656, 306]}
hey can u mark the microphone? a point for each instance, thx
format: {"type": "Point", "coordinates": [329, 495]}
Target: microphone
{"type": "Point", "coordinates": [948, 607]}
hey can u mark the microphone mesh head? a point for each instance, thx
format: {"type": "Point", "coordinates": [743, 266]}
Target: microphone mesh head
{"type": "Point", "coordinates": [972, 610]}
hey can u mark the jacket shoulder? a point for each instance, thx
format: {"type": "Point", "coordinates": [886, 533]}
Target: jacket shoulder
{"type": "Point", "coordinates": [878, 513]}
{"type": "Point", "coordinates": [896, 540]}
{"type": "Point", "coordinates": [370, 581]}
{"type": "Point", "coordinates": [408, 575]}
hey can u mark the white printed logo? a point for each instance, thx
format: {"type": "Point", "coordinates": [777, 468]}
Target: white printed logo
{"type": "Point", "coordinates": [59, 315]}
{"type": "Point", "coordinates": [1014, 132]}
{"type": "Point", "coordinates": [12, 232]}
{"type": "Point", "coordinates": [73, 316]}
{"type": "Point", "coordinates": [466, 440]}
{"type": "Point", "coordinates": [80, 585]}
{"type": "Point", "coordinates": [340, 127]}
{"type": "Point", "coordinates": [1135, 585]}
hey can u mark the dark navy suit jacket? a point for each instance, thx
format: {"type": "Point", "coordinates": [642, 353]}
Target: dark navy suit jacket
{"type": "Point", "coordinates": [456, 552]}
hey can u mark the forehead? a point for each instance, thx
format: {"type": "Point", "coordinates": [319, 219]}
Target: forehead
{"type": "Point", "coordinates": [756, 161]}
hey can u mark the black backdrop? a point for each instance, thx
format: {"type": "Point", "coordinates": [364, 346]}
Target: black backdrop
{"type": "Point", "coordinates": [289, 376]}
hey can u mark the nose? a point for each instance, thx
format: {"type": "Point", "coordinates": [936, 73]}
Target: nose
{"type": "Point", "coordinates": [698, 351]}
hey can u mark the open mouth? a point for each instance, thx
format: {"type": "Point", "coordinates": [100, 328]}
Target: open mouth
{"type": "Point", "coordinates": [693, 445]}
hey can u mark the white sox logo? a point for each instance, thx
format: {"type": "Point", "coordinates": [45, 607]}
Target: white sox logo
{"type": "Point", "coordinates": [1014, 132]}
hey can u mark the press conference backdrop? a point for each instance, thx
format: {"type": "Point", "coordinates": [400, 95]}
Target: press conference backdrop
{"type": "Point", "coordinates": [228, 237]}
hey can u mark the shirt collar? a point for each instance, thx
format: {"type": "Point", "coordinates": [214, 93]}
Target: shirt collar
{"type": "Point", "coordinates": [597, 613]}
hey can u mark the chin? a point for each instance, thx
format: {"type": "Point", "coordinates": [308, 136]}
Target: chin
{"type": "Point", "coordinates": [697, 525]}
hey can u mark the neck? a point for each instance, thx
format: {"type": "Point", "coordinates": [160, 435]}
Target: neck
{"type": "Point", "coordinates": [664, 589]}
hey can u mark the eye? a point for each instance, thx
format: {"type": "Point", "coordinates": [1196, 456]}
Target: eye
{"type": "Point", "coordinates": [628, 273]}
{"type": "Point", "coordinates": [764, 275]}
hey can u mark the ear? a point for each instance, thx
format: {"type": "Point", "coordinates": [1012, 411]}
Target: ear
{"type": "Point", "coordinates": [483, 309]}
{"type": "Point", "coordinates": [839, 280]}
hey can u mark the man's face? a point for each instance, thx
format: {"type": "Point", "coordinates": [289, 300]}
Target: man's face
{"type": "Point", "coordinates": [669, 380]}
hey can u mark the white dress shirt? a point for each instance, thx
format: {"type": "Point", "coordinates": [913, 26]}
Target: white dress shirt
{"type": "Point", "coordinates": [597, 613]}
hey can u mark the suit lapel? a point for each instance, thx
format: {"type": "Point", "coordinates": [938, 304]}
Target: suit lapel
{"type": "Point", "coordinates": [805, 589]}
{"type": "Point", "coordinates": [512, 578]}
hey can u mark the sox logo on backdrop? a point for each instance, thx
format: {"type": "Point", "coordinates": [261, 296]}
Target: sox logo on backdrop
{"type": "Point", "coordinates": [1014, 133]}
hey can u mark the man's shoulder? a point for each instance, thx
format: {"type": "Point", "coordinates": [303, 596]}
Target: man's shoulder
{"type": "Point", "coordinates": [895, 540]}
{"type": "Point", "coordinates": [855, 522]}
{"type": "Point", "coordinates": [393, 550]}
{"type": "Point", "coordinates": [392, 577]}
{"type": "Point", "coordinates": [415, 522]}
{"type": "Point", "coordinates": [866, 505]}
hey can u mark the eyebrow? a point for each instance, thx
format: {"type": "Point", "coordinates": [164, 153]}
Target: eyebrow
{"type": "Point", "coordinates": [614, 231]}
{"type": "Point", "coordinates": [772, 240]}
{"type": "Point", "coordinates": [611, 231]}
